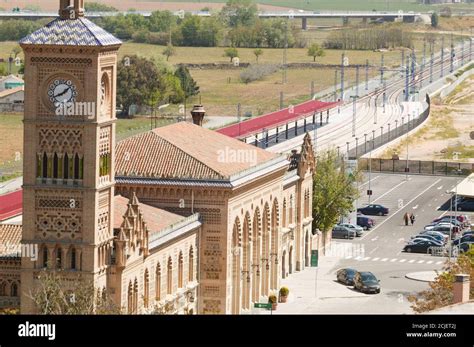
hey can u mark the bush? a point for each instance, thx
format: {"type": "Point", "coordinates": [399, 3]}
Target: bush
{"type": "Point", "coordinates": [284, 291]}
{"type": "Point", "coordinates": [272, 299]}
{"type": "Point", "coordinates": [257, 72]}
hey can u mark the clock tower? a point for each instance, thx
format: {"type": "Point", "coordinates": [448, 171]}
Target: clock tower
{"type": "Point", "coordinates": [69, 143]}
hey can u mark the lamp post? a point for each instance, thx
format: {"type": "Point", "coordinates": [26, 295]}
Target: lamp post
{"type": "Point", "coordinates": [354, 107]}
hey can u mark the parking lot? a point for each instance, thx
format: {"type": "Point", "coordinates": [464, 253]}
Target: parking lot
{"type": "Point", "coordinates": [378, 250]}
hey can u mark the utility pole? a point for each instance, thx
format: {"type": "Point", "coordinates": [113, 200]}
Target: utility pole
{"type": "Point", "coordinates": [381, 68]}
{"type": "Point", "coordinates": [423, 62]}
{"type": "Point", "coordinates": [413, 69]}
{"type": "Point", "coordinates": [285, 53]}
{"type": "Point", "coordinates": [367, 74]}
{"type": "Point", "coordinates": [431, 66]}
{"type": "Point", "coordinates": [442, 56]}
{"type": "Point", "coordinates": [354, 109]}
{"type": "Point", "coordinates": [451, 66]}
{"type": "Point", "coordinates": [335, 85]}
{"type": "Point", "coordinates": [384, 95]}
{"type": "Point", "coordinates": [407, 75]}
{"type": "Point", "coordinates": [357, 80]}
{"type": "Point", "coordinates": [342, 75]}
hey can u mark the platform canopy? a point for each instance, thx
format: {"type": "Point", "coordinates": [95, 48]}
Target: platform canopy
{"type": "Point", "coordinates": [275, 119]}
{"type": "Point", "coordinates": [465, 187]}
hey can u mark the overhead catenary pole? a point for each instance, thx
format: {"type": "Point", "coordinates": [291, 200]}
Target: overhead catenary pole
{"type": "Point", "coordinates": [431, 66]}
{"type": "Point", "coordinates": [335, 85]}
{"type": "Point", "coordinates": [342, 76]}
{"type": "Point", "coordinates": [357, 80]}
{"type": "Point", "coordinates": [451, 64]}
{"type": "Point", "coordinates": [407, 76]}
{"type": "Point", "coordinates": [381, 68]}
{"type": "Point", "coordinates": [442, 56]}
{"type": "Point", "coordinates": [354, 110]}
{"type": "Point", "coordinates": [367, 74]}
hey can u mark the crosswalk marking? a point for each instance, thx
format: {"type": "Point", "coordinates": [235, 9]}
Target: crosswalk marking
{"type": "Point", "coordinates": [393, 260]}
{"type": "Point", "coordinates": [384, 259]}
{"type": "Point", "coordinates": [420, 261]}
{"type": "Point", "coordinates": [429, 262]}
{"type": "Point", "coordinates": [366, 258]}
{"type": "Point", "coordinates": [375, 259]}
{"type": "Point", "coordinates": [438, 262]}
{"type": "Point", "coordinates": [403, 260]}
{"type": "Point", "coordinates": [349, 257]}
{"type": "Point", "coordinates": [411, 261]}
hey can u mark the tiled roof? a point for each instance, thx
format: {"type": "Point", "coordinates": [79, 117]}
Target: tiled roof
{"type": "Point", "coordinates": [10, 237]}
{"type": "Point", "coordinates": [156, 219]}
{"type": "Point", "coordinates": [71, 32]}
{"type": "Point", "coordinates": [184, 150]}
{"type": "Point", "coordinates": [8, 92]}
{"type": "Point", "coordinates": [11, 204]}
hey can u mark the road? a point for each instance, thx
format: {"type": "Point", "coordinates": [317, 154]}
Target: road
{"type": "Point", "coordinates": [378, 251]}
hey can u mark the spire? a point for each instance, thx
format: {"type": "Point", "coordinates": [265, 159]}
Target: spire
{"type": "Point", "coordinates": [134, 200]}
{"type": "Point", "coordinates": [71, 9]}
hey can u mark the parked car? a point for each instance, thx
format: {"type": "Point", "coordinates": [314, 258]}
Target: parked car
{"type": "Point", "coordinates": [358, 230]}
{"type": "Point", "coordinates": [438, 234]}
{"type": "Point", "coordinates": [374, 210]}
{"type": "Point", "coordinates": [365, 222]}
{"type": "Point", "coordinates": [468, 232]}
{"type": "Point", "coordinates": [464, 247]}
{"type": "Point", "coordinates": [346, 276]}
{"type": "Point", "coordinates": [465, 204]}
{"type": "Point", "coordinates": [464, 238]}
{"type": "Point", "coordinates": [464, 219]}
{"type": "Point", "coordinates": [443, 227]}
{"type": "Point", "coordinates": [421, 246]}
{"type": "Point", "coordinates": [339, 232]}
{"type": "Point", "coordinates": [430, 237]}
{"type": "Point", "coordinates": [366, 282]}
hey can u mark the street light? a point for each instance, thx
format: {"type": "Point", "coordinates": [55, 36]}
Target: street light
{"type": "Point", "coordinates": [354, 98]}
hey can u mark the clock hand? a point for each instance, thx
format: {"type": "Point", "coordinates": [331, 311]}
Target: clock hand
{"type": "Point", "coordinates": [62, 93]}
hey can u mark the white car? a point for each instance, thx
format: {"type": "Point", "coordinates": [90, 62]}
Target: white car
{"type": "Point", "coordinates": [358, 230]}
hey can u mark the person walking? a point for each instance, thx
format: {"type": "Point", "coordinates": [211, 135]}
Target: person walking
{"type": "Point", "coordinates": [406, 218]}
{"type": "Point", "coordinates": [412, 219]}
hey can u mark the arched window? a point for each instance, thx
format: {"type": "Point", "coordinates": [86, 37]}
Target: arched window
{"type": "Point", "coordinates": [76, 167]}
{"type": "Point", "coordinates": [55, 165]}
{"type": "Point", "coordinates": [59, 258]}
{"type": "Point", "coordinates": [284, 213]}
{"type": "Point", "coordinates": [191, 265]}
{"type": "Point", "coordinates": [290, 218]}
{"type": "Point", "coordinates": [66, 166]}
{"type": "Point", "coordinates": [3, 289]}
{"type": "Point", "coordinates": [180, 270]}
{"type": "Point", "coordinates": [73, 259]}
{"type": "Point", "coordinates": [135, 296]}
{"type": "Point", "coordinates": [14, 289]}
{"type": "Point", "coordinates": [45, 165]}
{"type": "Point", "coordinates": [130, 298]}
{"type": "Point", "coordinates": [146, 289]}
{"type": "Point", "coordinates": [169, 279]}
{"type": "Point", "coordinates": [158, 283]}
{"type": "Point", "coordinates": [45, 256]}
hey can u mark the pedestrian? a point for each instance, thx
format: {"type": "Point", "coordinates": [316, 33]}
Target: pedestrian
{"type": "Point", "coordinates": [406, 217]}
{"type": "Point", "coordinates": [412, 219]}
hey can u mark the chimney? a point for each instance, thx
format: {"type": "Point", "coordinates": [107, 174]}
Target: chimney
{"type": "Point", "coordinates": [71, 9]}
{"type": "Point", "coordinates": [461, 288]}
{"type": "Point", "coordinates": [198, 112]}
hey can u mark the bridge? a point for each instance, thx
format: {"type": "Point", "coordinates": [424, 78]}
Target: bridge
{"type": "Point", "coordinates": [345, 16]}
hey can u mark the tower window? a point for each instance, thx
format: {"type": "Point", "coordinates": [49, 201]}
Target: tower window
{"type": "Point", "coordinates": [73, 259]}
{"type": "Point", "coordinates": [76, 167]}
{"type": "Point", "coordinates": [55, 166]}
{"type": "Point", "coordinates": [66, 166]}
{"type": "Point", "coordinates": [45, 165]}
{"type": "Point", "coordinates": [45, 257]}
{"type": "Point", "coordinates": [14, 290]}
{"type": "Point", "coordinates": [59, 258]}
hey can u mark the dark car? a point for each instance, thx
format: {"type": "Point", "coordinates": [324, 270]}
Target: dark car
{"type": "Point", "coordinates": [373, 210]}
{"type": "Point", "coordinates": [464, 238]}
{"type": "Point", "coordinates": [464, 247]}
{"type": "Point", "coordinates": [468, 232]}
{"type": "Point", "coordinates": [421, 246]}
{"type": "Point", "coordinates": [465, 205]}
{"type": "Point", "coordinates": [366, 282]}
{"type": "Point", "coordinates": [426, 236]}
{"type": "Point", "coordinates": [346, 276]}
{"type": "Point", "coordinates": [339, 232]}
{"type": "Point", "coordinates": [365, 222]}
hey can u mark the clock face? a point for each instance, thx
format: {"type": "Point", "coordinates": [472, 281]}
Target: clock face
{"type": "Point", "coordinates": [62, 91]}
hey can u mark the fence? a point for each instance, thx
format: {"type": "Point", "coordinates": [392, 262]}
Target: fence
{"type": "Point", "coordinates": [416, 167]}
{"type": "Point", "coordinates": [11, 107]}
{"type": "Point", "coordinates": [386, 134]}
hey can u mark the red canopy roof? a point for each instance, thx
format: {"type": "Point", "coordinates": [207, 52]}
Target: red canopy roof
{"type": "Point", "coordinates": [11, 204]}
{"type": "Point", "coordinates": [274, 119]}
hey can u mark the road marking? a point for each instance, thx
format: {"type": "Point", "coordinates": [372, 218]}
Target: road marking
{"type": "Point", "coordinates": [437, 208]}
{"type": "Point", "coordinates": [372, 251]}
{"type": "Point", "coordinates": [440, 187]}
{"type": "Point", "coordinates": [349, 257]}
{"type": "Point", "coordinates": [429, 262]}
{"type": "Point", "coordinates": [411, 261]}
{"type": "Point", "coordinates": [366, 258]}
{"type": "Point", "coordinates": [375, 259]}
{"type": "Point", "coordinates": [393, 260]}
{"type": "Point", "coordinates": [400, 240]}
{"type": "Point", "coordinates": [420, 261]}
{"type": "Point", "coordinates": [384, 259]}
{"type": "Point", "coordinates": [396, 212]}
{"type": "Point", "coordinates": [373, 179]}
{"type": "Point", "coordinates": [374, 239]}
{"type": "Point", "coordinates": [388, 191]}
{"type": "Point", "coordinates": [439, 262]}
{"type": "Point", "coordinates": [415, 207]}
{"type": "Point", "coordinates": [402, 260]}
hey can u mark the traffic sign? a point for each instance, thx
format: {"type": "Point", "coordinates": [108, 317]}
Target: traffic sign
{"type": "Point", "coordinates": [266, 305]}
{"type": "Point", "coordinates": [369, 192]}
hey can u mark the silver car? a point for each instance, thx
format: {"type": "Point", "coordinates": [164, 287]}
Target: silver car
{"type": "Point", "coordinates": [358, 230]}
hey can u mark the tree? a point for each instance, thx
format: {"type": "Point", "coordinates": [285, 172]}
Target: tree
{"type": "Point", "coordinates": [96, 7]}
{"type": "Point", "coordinates": [138, 80]}
{"type": "Point", "coordinates": [315, 51]}
{"type": "Point", "coordinates": [188, 84]}
{"type": "Point", "coordinates": [231, 53]}
{"type": "Point", "coordinates": [57, 295]}
{"type": "Point", "coordinates": [3, 70]}
{"type": "Point", "coordinates": [169, 51]}
{"type": "Point", "coordinates": [434, 20]}
{"type": "Point", "coordinates": [161, 21]}
{"type": "Point", "coordinates": [257, 52]}
{"type": "Point", "coordinates": [333, 192]}
{"type": "Point", "coordinates": [239, 12]}
{"type": "Point", "coordinates": [440, 293]}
